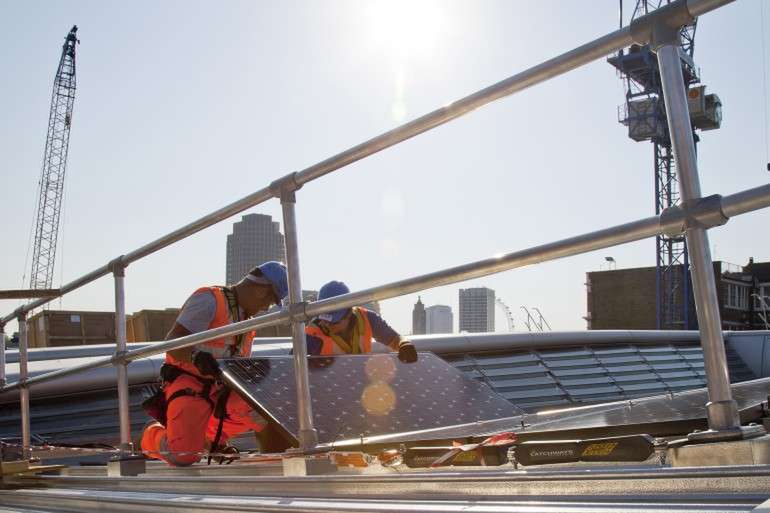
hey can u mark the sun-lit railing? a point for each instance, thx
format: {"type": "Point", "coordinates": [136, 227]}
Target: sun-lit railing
{"type": "Point", "coordinates": [660, 29]}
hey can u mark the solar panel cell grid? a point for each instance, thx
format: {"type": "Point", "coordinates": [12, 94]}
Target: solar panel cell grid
{"type": "Point", "coordinates": [367, 395]}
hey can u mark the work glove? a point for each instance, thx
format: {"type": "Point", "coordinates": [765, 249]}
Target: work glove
{"type": "Point", "coordinates": [206, 363]}
{"type": "Point", "coordinates": [406, 352]}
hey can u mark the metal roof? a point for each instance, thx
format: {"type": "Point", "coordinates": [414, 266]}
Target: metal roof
{"type": "Point", "coordinates": [534, 379]}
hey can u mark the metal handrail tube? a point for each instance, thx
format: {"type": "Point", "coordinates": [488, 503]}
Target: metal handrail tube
{"type": "Point", "coordinates": [24, 392]}
{"type": "Point", "coordinates": [738, 203]}
{"type": "Point", "coordinates": [270, 319]}
{"type": "Point", "coordinates": [540, 73]}
{"type": "Point", "coordinates": [121, 368]}
{"type": "Point", "coordinates": [2, 354]}
{"type": "Point", "coordinates": [749, 200]}
{"type": "Point", "coordinates": [721, 410]}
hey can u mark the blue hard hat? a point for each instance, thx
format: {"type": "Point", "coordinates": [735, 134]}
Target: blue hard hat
{"type": "Point", "coordinates": [275, 273]}
{"type": "Point", "coordinates": [333, 289]}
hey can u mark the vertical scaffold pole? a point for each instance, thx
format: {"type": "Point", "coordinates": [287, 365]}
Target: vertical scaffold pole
{"type": "Point", "coordinates": [24, 389]}
{"type": "Point", "coordinates": [722, 411]}
{"type": "Point", "coordinates": [2, 354]}
{"type": "Point", "coordinates": [308, 437]}
{"type": "Point", "coordinates": [119, 274]}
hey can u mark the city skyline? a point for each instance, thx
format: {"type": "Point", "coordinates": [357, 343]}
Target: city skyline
{"type": "Point", "coordinates": [193, 138]}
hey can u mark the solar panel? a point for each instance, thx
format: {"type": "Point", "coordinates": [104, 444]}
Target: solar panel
{"type": "Point", "coordinates": [360, 396]}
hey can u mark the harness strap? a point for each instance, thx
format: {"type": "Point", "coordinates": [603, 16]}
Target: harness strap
{"type": "Point", "coordinates": [220, 412]}
{"type": "Point", "coordinates": [170, 373]}
{"type": "Point", "coordinates": [232, 304]}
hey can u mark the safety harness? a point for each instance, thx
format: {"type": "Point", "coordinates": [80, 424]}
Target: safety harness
{"type": "Point", "coordinates": [157, 405]}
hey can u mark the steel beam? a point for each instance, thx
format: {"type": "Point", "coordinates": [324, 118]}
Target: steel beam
{"type": "Point", "coordinates": [29, 293]}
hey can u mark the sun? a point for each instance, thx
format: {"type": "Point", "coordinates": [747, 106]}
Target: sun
{"type": "Point", "coordinates": [406, 29]}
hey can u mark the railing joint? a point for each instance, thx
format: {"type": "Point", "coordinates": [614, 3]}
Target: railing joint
{"type": "Point", "coordinates": [661, 26]}
{"type": "Point", "coordinates": [704, 213]}
{"type": "Point", "coordinates": [117, 266]}
{"type": "Point", "coordinates": [298, 311]}
{"type": "Point", "coordinates": [285, 187]}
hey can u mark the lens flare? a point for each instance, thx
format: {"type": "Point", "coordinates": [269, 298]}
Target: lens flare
{"type": "Point", "coordinates": [378, 399]}
{"type": "Point", "coordinates": [380, 367]}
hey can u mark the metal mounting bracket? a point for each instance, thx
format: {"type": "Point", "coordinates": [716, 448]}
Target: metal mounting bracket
{"type": "Point", "coordinates": [284, 188]}
{"type": "Point", "coordinates": [662, 26]}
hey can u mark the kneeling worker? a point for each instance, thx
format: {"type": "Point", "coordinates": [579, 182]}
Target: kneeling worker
{"type": "Point", "coordinates": [351, 330]}
{"type": "Point", "coordinates": [200, 413]}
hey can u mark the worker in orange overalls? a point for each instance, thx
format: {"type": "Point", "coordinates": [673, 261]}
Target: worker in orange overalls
{"type": "Point", "coordinates": [196, 412]}
{"type": "Point", "coordinates": [351, 330]}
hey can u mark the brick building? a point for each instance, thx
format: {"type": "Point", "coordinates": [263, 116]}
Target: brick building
{"type": "Point", "coordinates": [625, 298]}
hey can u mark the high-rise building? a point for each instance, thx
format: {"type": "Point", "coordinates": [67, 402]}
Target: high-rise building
{"type": "Point", "coordinates": [256, 239]}
{"type": "Point", "coordinates": [477, 310]}
{"type": "Point", "coordinates": [438, 319]}
{"type": "Point", "coordinates": [418, 318]}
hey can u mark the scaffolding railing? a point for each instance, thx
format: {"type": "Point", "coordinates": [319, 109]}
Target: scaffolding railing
{"type": "Point", "coordinates": [697, 214]}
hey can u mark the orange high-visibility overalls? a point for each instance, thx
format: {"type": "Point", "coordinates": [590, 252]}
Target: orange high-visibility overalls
{"type": "Point", "coordinates": [191, 397]}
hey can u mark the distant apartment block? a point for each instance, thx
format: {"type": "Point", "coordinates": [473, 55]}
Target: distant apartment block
{"type": "Point", "coordinates": [438, 319]}
{"type": "Point", "coordinates": [418, 318]}
{"type": "Point", "coordinates": [477, 310]}
{"type": "Point", "coordinates": [256, 239]}
{"type": "Point", "coordinates": [625, 298]}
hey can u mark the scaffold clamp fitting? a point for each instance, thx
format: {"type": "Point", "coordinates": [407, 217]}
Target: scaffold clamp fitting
{"type": "Point", "coordinates": [298, 311]}
{"type": "Point", "coordinates": [661, 26]}
{"type": "Point", "coordinates": [285, 187]}
{"type": "Point", "coordinates": [117, 266]}
{"type": "Point", "coordinates": [705, 213]}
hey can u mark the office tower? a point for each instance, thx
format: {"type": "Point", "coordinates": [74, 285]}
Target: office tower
{"type": "Point", "coordinates": [477, 310]}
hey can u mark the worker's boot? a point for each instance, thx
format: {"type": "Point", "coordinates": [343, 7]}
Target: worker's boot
{"type": "Point", "coordinates": [149, 439]}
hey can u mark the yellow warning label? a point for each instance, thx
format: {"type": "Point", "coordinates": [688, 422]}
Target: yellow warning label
{"type": "Point", "coordinates": [600, 449]}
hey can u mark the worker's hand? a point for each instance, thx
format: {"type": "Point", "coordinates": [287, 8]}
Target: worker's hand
{"type": "Point", "coordinates": [206, 363]}
{"type": "Point", "coordinates": [406, 352]}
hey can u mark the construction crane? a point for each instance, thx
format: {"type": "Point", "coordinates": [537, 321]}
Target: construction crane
{"type": "Point", "coordinates": [51, 186]}
{"type": "Point", "coordinates": [507, 312]}
{"type": "Point", "coordinates": [538, 322]}
{"type": "Point", "coordinates": [645, 116]}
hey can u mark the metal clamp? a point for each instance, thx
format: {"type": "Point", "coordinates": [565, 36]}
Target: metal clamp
{"type": "Point", "coordinates": [117, 266]}
{"type": "Point", "coordinates": [285, 187]}
{"type": "Point", "coordinates": [298, 311]}
{"type": "Point", "coordinates": [662, 25]}
{"type": "Point", "coordinates": [705, 213]}
{"type": "Point", "coordinates": [118, 357]}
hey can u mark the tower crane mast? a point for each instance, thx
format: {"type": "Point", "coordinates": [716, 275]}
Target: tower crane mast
{"type": "Point", "coordinates": [51, 185]}
{"type": "Point", "coordinates": [645, 116]}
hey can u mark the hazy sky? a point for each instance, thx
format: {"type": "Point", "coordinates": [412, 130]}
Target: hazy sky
{"type": "Point", "coordinates": [183, 107]}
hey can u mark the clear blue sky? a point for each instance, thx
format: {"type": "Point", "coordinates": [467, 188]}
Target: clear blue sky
{"type": "Point", "coordinates": [183, 107]}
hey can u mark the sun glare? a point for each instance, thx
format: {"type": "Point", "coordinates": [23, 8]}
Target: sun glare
{"type": "Point", "coordinates": [406, 28]}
